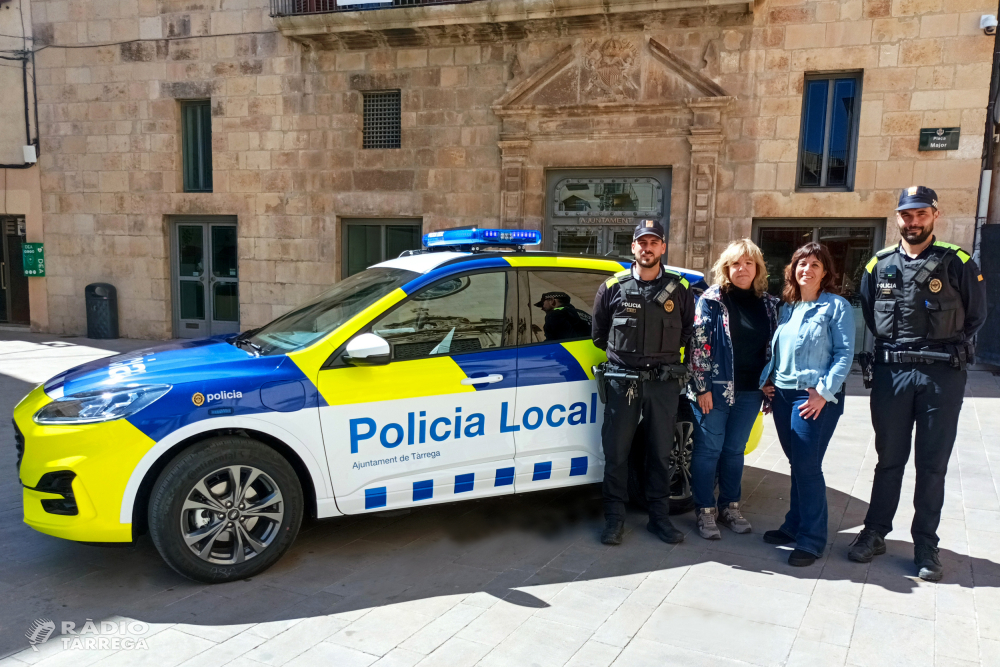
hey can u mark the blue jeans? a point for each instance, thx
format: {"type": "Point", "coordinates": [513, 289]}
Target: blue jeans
{"type": "Point", "coordinates": [720, 439]}
{"type": "Point", "coordinates": [805, 442]}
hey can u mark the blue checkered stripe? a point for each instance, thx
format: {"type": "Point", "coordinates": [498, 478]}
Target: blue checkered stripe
{"type": "Point", "coordinates": [424, 489]}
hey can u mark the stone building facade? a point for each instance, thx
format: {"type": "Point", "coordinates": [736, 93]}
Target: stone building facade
{"type": "Point", "coordinates": [506, 107]}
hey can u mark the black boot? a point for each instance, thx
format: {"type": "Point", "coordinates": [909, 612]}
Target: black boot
{"type": "Point", "coordinates": [866, 546]}
{"type": "Point", "coordinates": [800, 558]}
{"type": "Point", "coordinates": [926, 558]}
{"type": "Point", "coordinates": [777, 537]}
{"type": "Point", "coordinates": [665, 530]}
{"type": "Point", "coordinates": [614, 529]}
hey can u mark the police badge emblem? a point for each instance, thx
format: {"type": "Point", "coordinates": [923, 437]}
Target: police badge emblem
{"type": "Point", "coordinates": [935, 285]}
{"type": "Point", "coordinates": [669, 306]}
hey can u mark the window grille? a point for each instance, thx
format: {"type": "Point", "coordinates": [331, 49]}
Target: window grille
{"type": "Point", "coordinates": [382, 111]}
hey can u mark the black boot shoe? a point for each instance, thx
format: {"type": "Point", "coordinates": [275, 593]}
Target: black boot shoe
{"type": "Point", "coordinates": [665, 530]}
{"type": "Point", "coordinates": [614, 529]}
{"type": "Point", "coordinates": [866, 546]}
{"type": "Point", "coordinates": [777, 537]}
{"type": "Point", "coordinates": [800, 558]}
{"type": "Point", "coordinates": [926, 558]}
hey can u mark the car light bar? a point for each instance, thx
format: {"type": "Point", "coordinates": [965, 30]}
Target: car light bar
{"type": "Point", "coordinates": [452, 238]}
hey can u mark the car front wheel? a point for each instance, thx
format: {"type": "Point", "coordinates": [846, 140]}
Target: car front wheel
{"type": "Point", "coordinates": [225, 509]}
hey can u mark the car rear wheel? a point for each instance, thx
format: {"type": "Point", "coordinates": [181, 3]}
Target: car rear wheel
{"type": "Point", "coordinates": [225, 509]}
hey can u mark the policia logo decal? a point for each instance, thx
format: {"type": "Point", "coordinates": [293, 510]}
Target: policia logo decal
{"type": "Point", "coordinates": [198, 399]}
{"type": "Point", "coordinates": [935, 286]}
{"type": "Point", "coordinates": [669, 306]}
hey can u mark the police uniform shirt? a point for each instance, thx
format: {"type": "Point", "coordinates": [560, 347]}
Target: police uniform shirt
{"type": "Point", "coordinates": [609, 300]}
{"type": "Point", "coordinates": [963, 276]}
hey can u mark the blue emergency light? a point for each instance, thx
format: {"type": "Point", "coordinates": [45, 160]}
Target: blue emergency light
{"type": "Point", "coordinates": [470, 238]}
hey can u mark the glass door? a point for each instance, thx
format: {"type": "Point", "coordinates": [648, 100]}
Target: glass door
{"type": "Point", "coordinates": [206, 284]}
{"type": "Point", "coordinates": [851, 243]}
{"type": "Point", "coordinates": [605, 240]}
{"type": "Point", "coordinates": [13, 283]}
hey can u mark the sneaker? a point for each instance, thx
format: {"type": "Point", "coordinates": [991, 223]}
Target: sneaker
{"type": "Point", "coordinates": [614, 529]}
{"type": "Point", "coordinates": [706, 524]}
{"type": "Point", "coordinates": [926, 558]}
{"type": "Point", "coordinates": [866, 546]}
{"type": "Point", "coordinates": [665, 530]}
{"type": "Point", "coordinates": [800, 558]}
{"type": "Point", "coordinates": [731, 516]}
{"type": "Point", "coordinates": [777, 537]}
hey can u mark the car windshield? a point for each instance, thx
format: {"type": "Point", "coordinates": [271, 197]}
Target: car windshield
{"type": "Point", "coordinates": [307, 324]}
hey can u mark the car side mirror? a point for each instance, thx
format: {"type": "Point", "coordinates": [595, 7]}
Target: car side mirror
{"type": "Point", "coordinates": [367, 350]}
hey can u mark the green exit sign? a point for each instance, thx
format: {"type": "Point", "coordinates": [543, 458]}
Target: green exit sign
{"type": "Point", "coordinates": [33, 256]}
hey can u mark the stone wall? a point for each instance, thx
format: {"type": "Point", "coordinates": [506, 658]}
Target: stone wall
{"type": "Point", "coordinates": [286, 129]}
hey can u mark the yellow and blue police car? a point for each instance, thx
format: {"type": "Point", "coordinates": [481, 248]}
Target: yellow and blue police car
{"type": "Point", "coordinates": [428, 378]}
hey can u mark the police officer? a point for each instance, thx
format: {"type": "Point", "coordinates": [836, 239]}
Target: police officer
{"type": "Point", "coordinates": [924, 300]}
{"type": "Point", "coordinates": [643, 317]}
{"type": "Point", "coordinates": [562, 320]}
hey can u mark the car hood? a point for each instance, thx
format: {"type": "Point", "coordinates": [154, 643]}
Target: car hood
{"type": "Point", "coordinates": [175, 363]}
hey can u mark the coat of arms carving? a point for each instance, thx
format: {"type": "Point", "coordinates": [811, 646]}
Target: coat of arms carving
{"type": "Point", "coordinates": [613, 66]}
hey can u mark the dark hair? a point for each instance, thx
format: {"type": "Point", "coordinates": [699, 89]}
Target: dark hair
{"type": "Point", "coordinates": [791, 293]}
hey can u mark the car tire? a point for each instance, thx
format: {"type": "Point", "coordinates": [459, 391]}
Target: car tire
{"type": "Point", "coordinates": [213, 529]}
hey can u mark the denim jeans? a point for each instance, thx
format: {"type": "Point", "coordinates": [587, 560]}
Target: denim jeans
{"type": "Point", "coordinates": [805, 442]}
{"type": "Point", "coordinates": [720, 438]}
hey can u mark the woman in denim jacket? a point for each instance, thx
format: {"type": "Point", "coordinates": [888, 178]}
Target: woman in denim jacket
{"type": "Point", "coordinates": [811, 355]}
{"type": "Point", "coordinates": [734, 322]}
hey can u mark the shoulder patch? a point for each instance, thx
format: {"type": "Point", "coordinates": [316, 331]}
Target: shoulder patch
{"type": "Point", "coordinates": [613, 280]}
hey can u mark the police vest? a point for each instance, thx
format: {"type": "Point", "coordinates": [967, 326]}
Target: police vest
{"type": "Point", "coordinates": [914, 299]}
{"type": "Point", "coordinates": [647, 321]}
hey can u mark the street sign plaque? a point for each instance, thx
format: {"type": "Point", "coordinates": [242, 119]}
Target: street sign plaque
{"type": "Point", "coordinates": [33, 257]}
{"type": "Point", "coordinates": [939, 138]}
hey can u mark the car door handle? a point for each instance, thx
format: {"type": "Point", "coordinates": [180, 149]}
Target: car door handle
{"type": "Point", "coordinates": [488, 379]}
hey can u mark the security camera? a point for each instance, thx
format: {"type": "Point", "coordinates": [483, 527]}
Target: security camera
{"type": "Point", "coordinates": [988, 24]}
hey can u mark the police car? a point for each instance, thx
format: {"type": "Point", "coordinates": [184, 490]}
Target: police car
{"type": "Point", "coordinates": [423, 379]}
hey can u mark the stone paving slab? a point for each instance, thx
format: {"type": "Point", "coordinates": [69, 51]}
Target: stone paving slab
{"type": "Point", "coordinates": [523, 580]}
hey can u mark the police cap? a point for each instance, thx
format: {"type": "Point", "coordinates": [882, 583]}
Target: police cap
{"type": "Point", "coordinates": [561, 296]}
{"type": "Point", "coordinates": [917, 196]}
{"type": "Point", "coordinates": [648, 227]}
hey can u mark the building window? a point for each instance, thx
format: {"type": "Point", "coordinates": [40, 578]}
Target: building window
{"type": "Point", "coordinates": [831, 107]}
{"type": "Point", "coordinates": [382, 119]}
{"type": "Point", "coordinates": [368, 242]}
{"type": "Point", "coordinates": [196, 145]}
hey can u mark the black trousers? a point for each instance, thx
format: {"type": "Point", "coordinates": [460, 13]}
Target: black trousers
{"type": "Point", "coordinates": [657, 403]}
{"type": "Point", "coordinates": [929, 396]}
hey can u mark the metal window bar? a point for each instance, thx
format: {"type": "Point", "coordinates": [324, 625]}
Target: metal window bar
{"type": "Point", "coordinates": [196, 141]}
{"type": "Point", "coordinates": [382, 122]}
{"type": "Point", "coordinates": [297, 7]}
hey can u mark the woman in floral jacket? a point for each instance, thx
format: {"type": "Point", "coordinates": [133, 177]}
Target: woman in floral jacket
{"type": "Point", "coordinates": [734, 321]}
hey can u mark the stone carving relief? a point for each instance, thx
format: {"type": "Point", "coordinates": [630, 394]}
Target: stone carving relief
{"type": "Point", "coordinates": [612, 68]}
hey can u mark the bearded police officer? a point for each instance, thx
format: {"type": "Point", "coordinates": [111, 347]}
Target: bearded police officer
{"type": "Point", "coordinates": [643, 317]}
{"type": "Point", "coordinates": [924, 300]}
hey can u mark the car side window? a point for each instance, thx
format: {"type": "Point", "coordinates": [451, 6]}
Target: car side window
{"type": "Point", "coordinates": [561, 303]}
{"type": "Point", "coordinates": [455, 315]}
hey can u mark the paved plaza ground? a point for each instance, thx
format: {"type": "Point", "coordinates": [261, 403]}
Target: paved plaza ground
{"type": "Point", "coordinates": [524, 580]}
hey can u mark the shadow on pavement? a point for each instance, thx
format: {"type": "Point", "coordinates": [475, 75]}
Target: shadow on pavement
{"type": "Point", "coordinates": [502, 547]}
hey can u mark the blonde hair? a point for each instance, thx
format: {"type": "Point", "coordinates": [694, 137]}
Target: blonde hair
{"type": "Point", "coordinates": [733, 253]}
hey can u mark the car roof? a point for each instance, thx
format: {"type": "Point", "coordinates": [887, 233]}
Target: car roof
{"type": "Point", "coordinates": [425, 262]}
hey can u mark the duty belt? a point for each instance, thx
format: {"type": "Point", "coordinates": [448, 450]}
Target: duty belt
{"type": "Point", "coordinates": [664, 372]}
{"type": "Point", "coordinates": [914, 357]}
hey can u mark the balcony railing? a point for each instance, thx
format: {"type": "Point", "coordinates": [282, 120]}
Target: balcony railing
{"type": "Point", "coordinates": [299, 7]}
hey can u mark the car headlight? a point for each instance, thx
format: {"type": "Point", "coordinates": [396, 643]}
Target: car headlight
{"type": "Point", "coordinates": [99, 406]}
